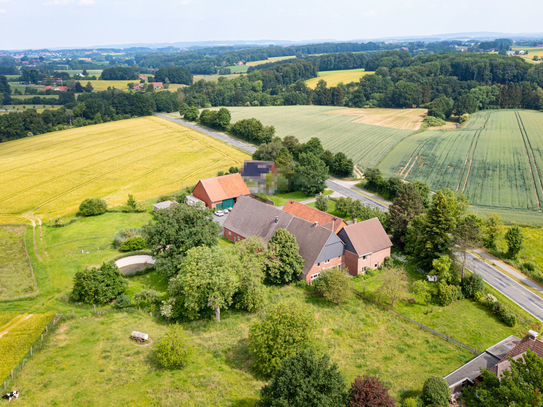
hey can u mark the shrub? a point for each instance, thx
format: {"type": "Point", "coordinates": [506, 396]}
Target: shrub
{"type": "Point", "coordinates": [322, 203]}
{"type": "Point", "coordinates": [163, 198]}
{"type": "Point", "coordinates": [174, 348]}
{"type": "Point", "coordinates": [472, 284]}
{"type": "Point", "coordinates": [479, 297]}
{"type": "Point", "coordinates": [435, 392]}
{"type": "Point", "coordinates": [147, 295]}
{"type": "Point", "coordinates": [489, 300]}
{"type": "Point", "coordinates": [98, 285]}
{"type": "Point", "coordinates": [286, 328]}
{"type": "Point", "coordinates": [387, 263]}
{"type": "Point", "coordinates": [369, 391]}
{"type": "Point", "coordinates": [409, 402]}
{"type": "Point", "coordinates": [431, 121]}
{"type": "Point", "coordinates": [447, 294]}
{"type": "Point", "coordinates": [528, 266]}
{"type": "Point", "coordinates": [507, 317]}
{"type": "Point", "coordinates": [464, 118]}
{"type": "Point", "coordinates": [123, 234]}
{"type": "Point", "coordinates": [123, 301]}
{"type": "Point", "coordinates": [131, 202]}
{"type": "Point", "coordinates": [132, 244]}
{"type": "Point", "coordinates": [92, 207]}
{"type": "Point", "coordinates": [140, 207]}
{"type": "Point", "coordinates": [305, 379]}
{"type": "Point", "coordinates": [334, 285]}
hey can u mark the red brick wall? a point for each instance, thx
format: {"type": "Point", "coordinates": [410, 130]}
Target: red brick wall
{"type": "Point", "coordinates": [356, 264]}
{"type": "Point", "coordinates": [323, 266]}
{"type": "Point", "coordinates": [200, 193]}
{"type": "Point", "coordinates": [351, 261]}
{"type": "Point", "coordinates": [233, 237]}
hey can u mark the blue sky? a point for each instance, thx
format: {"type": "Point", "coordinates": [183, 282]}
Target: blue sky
{"type": "Point", "coordinates": [71, 23]}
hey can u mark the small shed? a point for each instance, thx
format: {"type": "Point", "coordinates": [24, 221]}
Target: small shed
{"type": "Point", "coordinates": [162, 205]}
{"type": "Point", "coordinates": [193, 201]}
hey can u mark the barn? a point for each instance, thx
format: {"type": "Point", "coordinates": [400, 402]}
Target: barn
{"type": "Point", "coordinates": [221, 192]}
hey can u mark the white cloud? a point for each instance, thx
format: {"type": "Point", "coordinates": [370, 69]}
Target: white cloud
{"type": "Point", "coordinates": [370, 13]}
{"type": "Point", "coordinates": [4, 1]}
{"type": "Point", "coordinates": [185, 2]}
{"type": "Point", "coordinates": [2, 11]}
{"type": "Point", "coordinates": [86, 3]}
{"type": "Point", "coordinates": [58, 3]}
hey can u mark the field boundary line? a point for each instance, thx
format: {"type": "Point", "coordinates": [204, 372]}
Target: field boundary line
{"type": "Point", "coordinates": [422, 326]}
{"type": "Point", "coordinates": [529, 153]}
{"type": "Point", "coordinates": [415, 159]}
{"type": "Point", "coordinates": [473, 152]}
{"type": "Point", "coordinates": [411, 157]}
{"type": "Point", "coordinates": [465, 162]}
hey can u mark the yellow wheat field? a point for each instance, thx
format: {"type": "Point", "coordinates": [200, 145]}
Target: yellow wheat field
{"type": "Point", "coordinates": [405, 119]}
{"type": "Point", "coordinates": [334, 78]}
{"type": "Point", "coordinates": [52, 173]}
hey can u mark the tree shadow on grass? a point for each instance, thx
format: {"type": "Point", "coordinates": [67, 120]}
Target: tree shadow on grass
{"type": "Point", "coordinates": [245, 402]}
{"type": "Point", "coordinates": [238, 357]}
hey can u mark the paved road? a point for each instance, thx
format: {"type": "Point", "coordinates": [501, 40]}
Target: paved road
{"type": "Point", "coordinates": [221, 136]}
{"type": "Point", "coordinates": [507, 286]}
{"type": "Point", "coordinates": [346, 191]}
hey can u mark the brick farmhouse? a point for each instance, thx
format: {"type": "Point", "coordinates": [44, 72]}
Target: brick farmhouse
{"type": "Point", "coordinates": [318, 234]}
{"type": "Point", "coordinates": [220, 192]}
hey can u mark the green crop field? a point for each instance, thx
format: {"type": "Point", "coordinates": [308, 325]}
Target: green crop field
{"type": "Point", "coordinates": [16, 276]}
{"type": "Point", "coordinates": [496, 159]}
{"type": "Point", "coordinates": [334, 78]}
{"type": "Point", "coordinates": [16, 337]}
{"type": "Point", "coordinates": [90, 72]}
{"type": "Point", "coordinates": [52, 173]}
{"type": "Point", "coordinates": [366, 144]}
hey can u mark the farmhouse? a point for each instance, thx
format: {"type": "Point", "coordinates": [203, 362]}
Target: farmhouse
{"type": "Point", "coordinates": [495, 359]}
{"type": "Point", "coordinates": [254, 173]}
{"type": "Point", "coordinates": [366, 245]}
{"type": "Point", "coordinates": [156, 85]}
{"type": "Point", "coordinates": [316, 233]}
{"type": "Point", "coordinates": [59, 88]}
{"type": "Point", "coordinates": [319, 246]}
{"type": "Point", "coordinates": [221, 192]}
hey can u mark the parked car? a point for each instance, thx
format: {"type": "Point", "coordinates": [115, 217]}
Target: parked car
{"type": "Point", "coordinates": [219, 213]}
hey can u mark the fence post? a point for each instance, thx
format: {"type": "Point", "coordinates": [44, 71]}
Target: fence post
{"type": "Point", "coordinates": [42, 337]}
{"type": "Point", "coordinates": [31, 351]}
{"type": "Point", "coordinates": [94, 308]}
{"type": "Point", "coordinates": [72, 313]}
{"type": "Point", "coordinates": [46, 329]}
{"type": "Point", "coordinates": [151, 313]}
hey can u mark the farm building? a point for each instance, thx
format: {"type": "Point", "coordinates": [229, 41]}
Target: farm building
{"type": "Point", "coordinates": [254, 173]}
{"type": "Point", "coordinates": [193, 201]}
{"type": "Point", "coordinates": [221, 192]}
{"type": "Point", "coordinates": [366, 245]}
{"type": "Point", "coordinates": [495, 359]}
{"type": "Point", "coordinates": [156, 85]}
{"type": "Point", "coordinates": [58, 88]}
{"type": "Point", "coordinates": [316, 233]}
{"type": "Point", "coordinates": [162, 205]}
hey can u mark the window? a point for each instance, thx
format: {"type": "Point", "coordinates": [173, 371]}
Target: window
{"type": "Point", "coordinates": [363, 258]}
{"type": "Point", "coordinates": [376, 265]}
{"type": "Point", "coordinates": [339, 258]}
{"type": "Point", "coordinates": [327, 261]}
{"type": "Point", "coordinates": [229, 233]}
{"type": "Point", "coordinates": [364, 269]}
{"type": "Point", "coordinates": [315, 276]}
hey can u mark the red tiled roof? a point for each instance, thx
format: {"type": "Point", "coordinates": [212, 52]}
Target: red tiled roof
{"type": "Point", "coordinates": [314, 215]}
{"type": "Point", "coordinates": [519, 350]}
{"type": "Point", "coordinates": [225, 187]}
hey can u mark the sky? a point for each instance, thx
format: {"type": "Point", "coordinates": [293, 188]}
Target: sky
{"type": "Point", "coordinates": [35, 24]}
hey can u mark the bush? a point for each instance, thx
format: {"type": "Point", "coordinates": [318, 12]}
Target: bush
{"type": "Point", "coordinates": [123, 301]}
{"type": "Point", "coordinates": [387, 263]}
{"type": "Point", "coordinates": [507, 317]}
{"type": "Point", "coordinates": [435, 392]}
{"type": "Point", "coordinates": [98, 285]}
{"type": "Point", "coordinates": [305, 379]}
{"type": "Point", "coordinates": [334, 285]}
{"type": "Point", "coordinates": [286, 328]}
{"type": "Point", "coordinates": [92, 207]}
{"type": "Point", "coordinates": [174, 348]}
{"type": "Point", "coordinates": [472, 284]}
{"type": "Point", "coordinates": [140, 206]}
{"type": "Point", "coordinates": [369, 391]}
{"type": "Point", "coordinates": [479, 297]}
{"type": "Point", "coordinates": [147, 295]}
{"type": "Point", "coordinates": [431, 121]}
{"type": "Point", "coordinates": [163, 198]}
{"type": "Point", "coordinates": [464, 118]}
{"type": "Point", "coordinates": [191, 114]}
{"type": "Point", "coordinates": [123, 234]}
{"type": "Point", "coordinates": [528, 266]}
{"type": "Point", "coordinates": [447, 294]}
{"type": "Point", "coordinates": [409, 402]}
{"type": "Point", "coordinates": [132, 244]}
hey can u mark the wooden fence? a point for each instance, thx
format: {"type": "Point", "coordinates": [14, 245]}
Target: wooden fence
{"type": "Point", "coordinates": [421, 326]}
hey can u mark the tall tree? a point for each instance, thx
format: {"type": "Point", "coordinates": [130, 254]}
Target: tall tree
{"type": "Point", "coordinates": [314, 172]}
{"type": "Point", "coordinates": [207, 279]}
{"type": "Point", "coordinates": [305, 379]}
{"type": "Point", "coordinates": [393, 284]}
{"type": "Point", "coordinates": [466, 235]}
{"type": "Point", "coordinates": [515, 241]}
{"type": "Point", "coordinates": [406, 206]}
{"type": "Point", "coordinates": [493, 229]}
{"type": "Point", "coordinates": [290, 263]}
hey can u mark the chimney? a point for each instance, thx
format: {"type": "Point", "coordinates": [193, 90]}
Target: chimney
{"type": "Point", "coordinates": [316, 223]}
{"type": "Point", "coordinates": [277, 219]}
{"type": "Point", "coordinates": [533, 335]}
{"type": "Point", "coordinates": [354, 221]}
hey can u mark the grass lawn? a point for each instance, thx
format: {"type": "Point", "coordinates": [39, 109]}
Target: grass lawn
{"type": "Point", "coordinates": [91, 361]}
{"type": "Point", "coordinates": [282, 199]}
{"type": "Point", "coordinates": [149, 280]}
{"type": "Point", "coordinates": [16, 277]}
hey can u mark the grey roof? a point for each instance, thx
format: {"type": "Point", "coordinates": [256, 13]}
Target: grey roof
{"type": "Point", "coordinates": [504, 347]}
{"type": "Point", "coordinates": [472, 369]}
{"type": "Point", "coordinates": [334, 248]}
{"type": "Point", "coordinates": [162, 205]}
{"type": "Point", "coordinates": [251, 217]}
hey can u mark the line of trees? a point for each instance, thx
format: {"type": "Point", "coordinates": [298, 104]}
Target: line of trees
{"type": "Point", "coordinates": [118, 73]}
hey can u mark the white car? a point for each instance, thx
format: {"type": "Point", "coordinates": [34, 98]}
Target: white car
{"type": "Point", "coordinates": [219, 213]}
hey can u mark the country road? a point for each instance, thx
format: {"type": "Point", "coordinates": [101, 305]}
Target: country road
{"type": "Point", "coordinates": [523, 297]}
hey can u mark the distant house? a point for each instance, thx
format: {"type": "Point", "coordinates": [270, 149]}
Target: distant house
{"type": "Point", "coordinates": [319, 246]}
{"type": "Point", "coordinates": [240, 63]}
{"type": "Point", "coordinates": [510, 53]}
{"type": "Point", "coordinates": [540, 45]}
{"type": "Point", "coordinates": [366, 245]}
{"type": "Point", "coordinates": [25, 62]}
{"type": "Point", "coordinates": [221, 192]}
{"type": "Point", "coordinates": [58, 88]}
{"type": "Point", "coordinates": [156, 85]}
{"type": "Point", "coordinates": [138, 86]}
{"type": "Point", "coordinates": [80, 75]}
{"type": "Point", "coordinates": [254, 173]}
{"type": "Point", "coordinates": [143, 77]}
{"type": "Point", "coordinates": [495, 359]}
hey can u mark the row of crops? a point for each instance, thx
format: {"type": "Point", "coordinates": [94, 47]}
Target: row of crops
{"type": "Point", "coordinates": [17, 336]}
{"type": "Point", "coordinates": [496, 160]}
{"type": "Point", "coordinates": [366, 144]}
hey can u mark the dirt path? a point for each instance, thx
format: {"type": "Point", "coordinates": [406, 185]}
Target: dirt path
{"type": "Point", "coordinates": [41, 231]}
{"type": "Point", "coordinates": [34, 236]}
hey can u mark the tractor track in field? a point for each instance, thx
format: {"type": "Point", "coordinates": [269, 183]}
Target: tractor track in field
{"type": "Point", "coordinates": [534, 170]}
{"type": "Point", "coordinates": [477, 135]}
{"type": "Point", "coordinates": [413, 157]}
{"type": "Point", "coordinates": [465, 162]}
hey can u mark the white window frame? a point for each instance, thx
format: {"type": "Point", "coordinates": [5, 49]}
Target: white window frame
{"type": "Point", "coordinates": [364, 269]}
{"type": "Point", "coordinates": [364, 258]}
{"type": "Point", "coordinates": [376, 265]}
{"type": "Point", "coordinates": [327, 261]}
{"type": "Point", "coordinates": [318, 264]}
{"type": "Point", "coordinates": [315, 276]}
